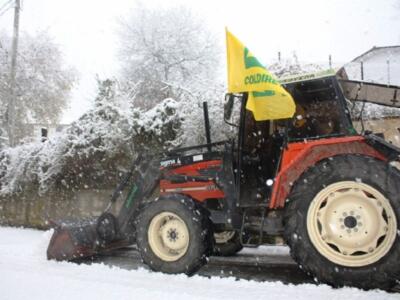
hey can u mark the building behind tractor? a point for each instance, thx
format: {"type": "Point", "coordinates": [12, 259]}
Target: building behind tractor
{"type": "Point", "coordinates": [331, 193]}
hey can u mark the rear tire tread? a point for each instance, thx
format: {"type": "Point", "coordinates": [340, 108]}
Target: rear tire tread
{"type": "Point", "coordinates": [380, 175]}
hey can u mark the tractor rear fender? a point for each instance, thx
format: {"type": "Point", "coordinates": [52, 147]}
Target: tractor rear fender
{"type": "Point", "coordinates": [391, 152]}
{"type": "Point", "coordinates": [299, 156]}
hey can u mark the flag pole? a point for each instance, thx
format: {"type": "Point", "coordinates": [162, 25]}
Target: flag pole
{"type": "Point", "coordinates": [242, 123]}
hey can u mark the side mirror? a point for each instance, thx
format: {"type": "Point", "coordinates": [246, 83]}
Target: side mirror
{"type": "Point", "coordinates": [228, 106]}
{"type": "Point", "coordinates": [232, 109]}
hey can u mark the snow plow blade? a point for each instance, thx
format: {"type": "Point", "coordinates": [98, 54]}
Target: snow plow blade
{"type": "Point", "coordinates": [73, 240]}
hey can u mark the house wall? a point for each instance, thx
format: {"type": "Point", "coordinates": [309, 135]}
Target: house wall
{"type": "Point", "coordinates": [33, 132]}
{"type": "Point", "coordinates": [390, 127]}
{"type": "Point", "coordinates": [52, 129]}
{"type": "Point", "coordinates": [376, 68]}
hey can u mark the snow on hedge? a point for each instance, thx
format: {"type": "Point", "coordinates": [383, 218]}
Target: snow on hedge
{"type": "Point", "coordinates": [103, 137]}
{"type": "Point", "coordinates": [100, 145]}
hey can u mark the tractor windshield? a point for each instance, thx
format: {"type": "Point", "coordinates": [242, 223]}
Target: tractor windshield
{"type": "Point", "coordinates": [320, 110]}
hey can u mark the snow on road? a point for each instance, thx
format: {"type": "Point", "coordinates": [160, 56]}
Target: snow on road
{"type": "Point", "coordinates": [26, 274]}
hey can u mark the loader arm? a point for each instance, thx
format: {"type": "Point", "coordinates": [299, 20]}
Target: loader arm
{"type": "Point", "coordinates": [91, 236]}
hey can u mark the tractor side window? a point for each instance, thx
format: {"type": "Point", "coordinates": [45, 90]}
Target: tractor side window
{"type": "Point", "coordinates": [255, 134]}
{"type": "Point", "coordinates": [263, 145]}
{"type": "Point", "coordinates": [318, 110]}
{"type": "Point", "coordinates": [256, 159]}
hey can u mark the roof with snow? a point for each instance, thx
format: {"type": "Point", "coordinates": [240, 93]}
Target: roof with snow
{"type": "Point", "coordinates": [375, 49]}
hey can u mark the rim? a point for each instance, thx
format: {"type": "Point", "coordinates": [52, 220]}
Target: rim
{"type": "Point", "coordinates": [168, 236]}
{"type": "Point", "coordinates": [351, 224]}
{"type": "Point", "coordinates": [223, 237]}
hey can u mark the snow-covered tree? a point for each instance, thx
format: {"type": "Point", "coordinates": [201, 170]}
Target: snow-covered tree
{"type": "Point", "coordinates": [93, 151]}
{"type": "Point", "coordinates": [168, 53]}
{"type": "Point", "coordinates": [43, 81]}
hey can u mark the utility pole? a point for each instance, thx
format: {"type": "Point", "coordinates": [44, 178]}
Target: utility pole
{"type": "Point", "coordinates": [13, 71]}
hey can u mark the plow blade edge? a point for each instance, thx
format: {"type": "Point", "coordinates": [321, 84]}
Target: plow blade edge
{"type": "Point", "coordinates": [73, 240]}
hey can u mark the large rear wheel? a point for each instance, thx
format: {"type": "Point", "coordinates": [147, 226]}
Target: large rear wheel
{"type": "Point", "coordinates": [173, 235]}
{"type": "Point", "coordinates": [342, 221]}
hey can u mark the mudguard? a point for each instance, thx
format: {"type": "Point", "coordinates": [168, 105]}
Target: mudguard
{"type": "Point", "coordinates": [390, 151]}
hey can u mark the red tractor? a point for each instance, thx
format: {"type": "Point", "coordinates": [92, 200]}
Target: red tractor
{"type": "Point", "coordinates": [331, 193]}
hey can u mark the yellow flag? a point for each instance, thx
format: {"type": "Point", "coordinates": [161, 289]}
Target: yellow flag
{"type": "Point", "coordinates": [269, 106]}
{"type": "Point", "coordinates": [247, 74]}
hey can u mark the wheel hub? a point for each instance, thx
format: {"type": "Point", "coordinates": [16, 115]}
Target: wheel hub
{"type": "Point", "coordinates": [351, 223]}
{"type": "Point", "coordinates": [172, 235]}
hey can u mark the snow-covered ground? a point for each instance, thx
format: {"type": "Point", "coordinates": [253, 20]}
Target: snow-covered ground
{"type": "Point", "coordinates": [26, 274]}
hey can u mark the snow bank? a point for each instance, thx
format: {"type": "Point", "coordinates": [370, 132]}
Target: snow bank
{"type": "Point", "coordinates": [270, 250]}
{"type": "Point", "coordinates": [373, 111]}
{"type": "Point", "coordinates": [26, 274]}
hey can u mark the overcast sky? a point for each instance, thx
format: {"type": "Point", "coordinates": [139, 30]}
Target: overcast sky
{"type": "Point", "coordinates": [86, 30]}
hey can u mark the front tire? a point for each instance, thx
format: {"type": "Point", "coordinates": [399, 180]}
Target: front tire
{"type": "Point", "coordinates": [227, 243]}
{"type": "Point", "coordinates": [173, 235]}
{"type": "Point", "coordinates": [342, 221]}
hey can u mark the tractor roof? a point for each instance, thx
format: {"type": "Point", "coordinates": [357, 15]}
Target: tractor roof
{"type": "Point", "coordinates": [307, 76]}
{"type": "Point", "coordinates": [354, 90]}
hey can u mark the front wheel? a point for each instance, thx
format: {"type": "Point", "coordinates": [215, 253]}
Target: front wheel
{"type": "Point", "coordinates": [342, 221]}
{"type": "Point", "coordinates": [227, 243]}
{"type": "Point", "coordinates": [173, 235]}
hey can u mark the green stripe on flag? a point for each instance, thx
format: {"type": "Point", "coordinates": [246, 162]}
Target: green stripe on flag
{"type": "Point", "coordinates": [264, 93]}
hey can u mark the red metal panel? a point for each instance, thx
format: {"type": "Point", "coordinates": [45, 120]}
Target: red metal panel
{"type": "Point", "coordinates": [193, 169]}
{"type": "Point", "coordinates": [199, 191]}
{"type": "Point", "coordinates": [298, 157]}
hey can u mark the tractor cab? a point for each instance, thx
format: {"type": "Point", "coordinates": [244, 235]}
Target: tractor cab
{"type": "Point", "coordinates": [320, 113]}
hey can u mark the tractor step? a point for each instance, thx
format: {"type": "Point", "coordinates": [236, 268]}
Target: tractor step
{"type": "Point", "coordinates": [257, 225]}
{"type": "Point", "coordinates": [246, 225]}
